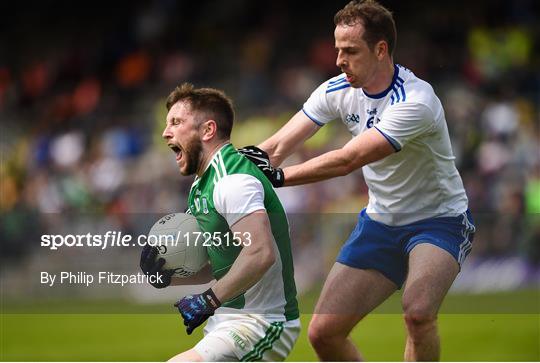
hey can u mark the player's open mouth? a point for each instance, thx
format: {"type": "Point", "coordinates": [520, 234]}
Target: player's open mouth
{"type": "Point", "coordinates": [177, 150]}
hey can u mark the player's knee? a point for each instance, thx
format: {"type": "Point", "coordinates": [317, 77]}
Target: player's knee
{"type": "Point", "coordinates": [420, 318]}
{"type": "Point", "coordinates": [315, 332]}
{"type": "Point", "coordinates": [322, 332]}
{"type": "Point", "coordinates": [420, 322]}
{"type": "Point", "coordinates": [418, 308]}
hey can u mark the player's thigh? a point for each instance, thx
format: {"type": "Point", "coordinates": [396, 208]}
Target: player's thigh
{"type": "Point", "coordinates": [348, 295]}
{"type": "Point", "coordinates": [432, 270]}
{"type": "Point", "coordinates": [187, 356]}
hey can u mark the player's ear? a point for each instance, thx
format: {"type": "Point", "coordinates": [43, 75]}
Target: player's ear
{"type": "Point", "coordinates": [208, 130]}
{"type": "Point", "coordinates": [381, 49]}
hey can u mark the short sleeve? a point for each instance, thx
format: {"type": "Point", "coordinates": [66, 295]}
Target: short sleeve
{"type": "Point", "coordinates": [403, 122]}
{"type": "Point", "coordinates": [237, 195]}
{"type": "Point", "coordinates": [317, 107]}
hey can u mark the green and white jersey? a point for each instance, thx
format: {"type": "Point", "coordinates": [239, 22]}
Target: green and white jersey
{"type": "Point", "coordinates": [230, 188]}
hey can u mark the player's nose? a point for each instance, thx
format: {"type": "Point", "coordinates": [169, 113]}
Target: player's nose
{"type": "Point", "coordinates": [167, 133]}
{"type": "Point", "coordinates": [340, 61]}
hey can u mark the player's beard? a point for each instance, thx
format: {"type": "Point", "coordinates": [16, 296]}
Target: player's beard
{"type": "Point", "coordinates": [193, 154]}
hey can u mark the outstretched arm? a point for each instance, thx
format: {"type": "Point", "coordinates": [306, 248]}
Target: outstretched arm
{"type": "Point", "coordinates": [365, 148]}
{"type": "Point", "coordinates": [289, 138]}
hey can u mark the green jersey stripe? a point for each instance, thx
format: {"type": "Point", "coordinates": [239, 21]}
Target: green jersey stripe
{"type": "Point", "coordinates": [271, 335]}
{"type": "Point", "coordinates": [221, 163]}
{"type": "Point", "coordinates": [219, 174]}
{"type": "Point", "coordinates": [269, 344]}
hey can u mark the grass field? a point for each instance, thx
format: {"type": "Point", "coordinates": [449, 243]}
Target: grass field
{"type": "Point", "coordinates": [148, 336]}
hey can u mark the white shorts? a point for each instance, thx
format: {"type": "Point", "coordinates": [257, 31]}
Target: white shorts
{"type": "Point", "coordinates": [247, 337]}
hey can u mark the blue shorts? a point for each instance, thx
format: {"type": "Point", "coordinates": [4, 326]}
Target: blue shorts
{"type": "Point", "coordinates": [374, 245]}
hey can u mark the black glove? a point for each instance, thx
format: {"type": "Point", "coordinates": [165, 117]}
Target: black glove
{"type": "Point", "coordinates": [195, 309]}
{"type": "Point", "coordinates": [262, 161]}
{"type": "Point", "coordinates": [151, 266]}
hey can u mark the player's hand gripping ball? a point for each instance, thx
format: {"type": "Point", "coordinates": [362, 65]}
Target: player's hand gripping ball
{"type": "Point", "coordinates": [152, 266]}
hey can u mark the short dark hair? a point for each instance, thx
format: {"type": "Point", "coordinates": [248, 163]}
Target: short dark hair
{"type": "Point", "coordinates": [377, 20]}
{"type": "Point", "coordinates": [213, 103]}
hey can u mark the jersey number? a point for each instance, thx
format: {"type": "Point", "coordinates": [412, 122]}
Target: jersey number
{"type": "Point", "coordinates": [372, 121]}
{"type": "Point", "coordinates": [198, 201]}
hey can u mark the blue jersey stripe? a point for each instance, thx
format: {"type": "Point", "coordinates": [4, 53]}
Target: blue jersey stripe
{"type": "Point", "coordinates": [403, 92]}
{"type": "Point", "coordinates": [339, 80]}
{"type": "Point", "coordinates": [391, 140]}
{"type": "Point", "coordinates": [338, 88]}
{"type": "Point", "coordinates": [398, 98]}
{"type": "Point", "coordinates": [337, 83]}
{"type": "Point", "coordinates": [312, 118]}
{"type": "Point", "coordinates": [398, 94]}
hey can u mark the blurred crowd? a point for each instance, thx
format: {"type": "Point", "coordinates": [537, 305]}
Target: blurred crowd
{"type": "Point", "coordinates": [82, 105]}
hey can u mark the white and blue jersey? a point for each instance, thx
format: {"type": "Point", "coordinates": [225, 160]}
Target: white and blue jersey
{"type": "Point", "coordinates": [420, 180]}
{"type": "Point", "coordinates": [415, 195]}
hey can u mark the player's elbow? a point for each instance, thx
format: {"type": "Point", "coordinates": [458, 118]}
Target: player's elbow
{"type": "Point", "coordinates": [267, 258]}
{"type": "Point", "coordinates": [345, 164]}
{"type": "Point", "coordinates": [348, 168]}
